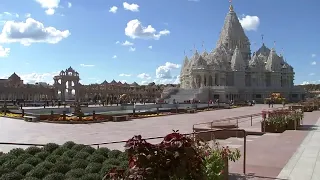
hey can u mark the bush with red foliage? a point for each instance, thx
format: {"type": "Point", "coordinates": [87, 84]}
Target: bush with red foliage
{"type": "Point", "coordinates": [176, 157]}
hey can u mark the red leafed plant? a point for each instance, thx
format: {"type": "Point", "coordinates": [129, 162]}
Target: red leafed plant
{"type": "Point", "coordinates": [176, 157]}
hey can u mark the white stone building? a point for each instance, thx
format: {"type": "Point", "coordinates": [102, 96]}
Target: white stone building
{"type": "Point", "coordinates": [231, 72]}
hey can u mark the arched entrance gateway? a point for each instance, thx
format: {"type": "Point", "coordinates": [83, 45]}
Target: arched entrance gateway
{"type": "Point", "coordinates": [67, 84]}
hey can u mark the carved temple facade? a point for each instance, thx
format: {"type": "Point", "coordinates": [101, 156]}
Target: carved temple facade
{"type": "Point", "coordinates": [231, 72]}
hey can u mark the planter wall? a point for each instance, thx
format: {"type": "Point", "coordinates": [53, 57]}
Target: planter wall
{"type": "Point", "coordinates": [265, 127]}
{"type": "Point", "coordinates": [291, 124]}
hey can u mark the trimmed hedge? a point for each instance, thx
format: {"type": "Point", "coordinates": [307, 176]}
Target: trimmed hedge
{"type": "Point", "coordinates": [53, 162]}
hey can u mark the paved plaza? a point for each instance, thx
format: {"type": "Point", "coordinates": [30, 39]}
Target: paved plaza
{"type": "Point", "coordinates": [19, 131]}
{"type": "Point", "coordinates": [292, 155]}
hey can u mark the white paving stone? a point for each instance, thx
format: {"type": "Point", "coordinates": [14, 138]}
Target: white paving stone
{"type": "Point", "coordinates": [305, 163]}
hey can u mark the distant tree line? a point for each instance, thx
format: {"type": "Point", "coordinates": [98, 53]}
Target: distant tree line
{"type": "Point", "coordinates": [311, 87]}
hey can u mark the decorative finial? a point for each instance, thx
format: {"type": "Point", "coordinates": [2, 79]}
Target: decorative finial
{"type": "Point", "coordinates": [230, 7]}
{"type": "Point", "coordinates": [184, 52]}
{"type": "Point", "coordinates": [262, 38]}
{"type": "Point", "coordinates": [202, 45]}
{"type": "Point", "coordinates": [274, 44]}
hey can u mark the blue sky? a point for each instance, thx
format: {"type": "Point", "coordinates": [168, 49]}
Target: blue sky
{"type": "Point", "coordinates": [42, 37]}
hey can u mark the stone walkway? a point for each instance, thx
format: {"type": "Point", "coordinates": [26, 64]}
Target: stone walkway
{"type": "Point", "coordinates": [19, 131]}
{"type": "Point", "coordinates": [268, 154]}
{"type": "Point", "coordinates": [305, 163]}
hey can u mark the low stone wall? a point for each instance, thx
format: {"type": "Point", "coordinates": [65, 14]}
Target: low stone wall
{"type": "Point", "coordinates": [138, 107]}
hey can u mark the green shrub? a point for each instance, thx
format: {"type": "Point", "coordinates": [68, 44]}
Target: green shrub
{"type": "Point", "coordinates": [42, 155]}
{"type": "Point", "coordinates": [71, 179]}
{"type": "Point", "coordinates": [3, 170]}
{"type": "Point", "coordinates": [52, 158]}
{"type": "Point", "coordinates": [11, 164]}
{"type": "Point", "coordinates": [60, 168]}
{"type": "Point", "coordinates": [24, 168]}
{"type": "Point", "coordinates": [75, 173]}
{"type": "Point", "coordinates": [64, 160]}
{"type": "Point", "coordinates": [106, 168]}
{"type": "Point", "coordinates": [91, 176]}
{"type": "Point", "coordinates": [6, 157]}
{"type": "Point", "coordinates": [30, 178]}
{"type": "Point", "coordinates": [123, 156]}
{"type": "Point", "coordinates": [93, 167]}
{"type": "Point", "coordinates": [79, 164]}
{"type": "Point", "coordinates": [46, 165]}
{"type": "Point", "coordinates": [112, 161]}
{"type": "Point", "coordinates": [17, 151]}
{"type": "Point", "coordinates": [54, 176]}
{"type": "Point", "coordinates": [12, 176]}
{"type": "Point", "coordinates": [69, 144]}
{"type": "Point", "coordinates": [23, 157]}
{"type": "Point", "coordinates": [71, 153]}
{"type": "Point", "coordinates": [114, 153]}
{"type": "Point", "coordinates": [97, 158]}
{"type": "Point", "coordinates": [102, 151]}
{"type": "Point", "coordinates": [38, 172]}
{"type": "Point", "coordinates": [78, 147]}
{"type": "Point", "coordinates": [59, 151]}
{"type": "Point", "coordinates": [81, 155]}
{"type": "Point", "coordinates": [50, 147]}
{"type": "Point", "coordinates": [33, 150]}
{"type": "Point", "coordinates": [88, 149]}
{"type": "Point", "coordinates": [33, 161]}
{"type": "Point", "coordinates": [124, 165]}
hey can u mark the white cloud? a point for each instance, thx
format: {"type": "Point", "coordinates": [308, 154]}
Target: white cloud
{"type": "Point", "coordinates": [173, 80]}
{"type": "Point", "coordinates": [305, 83]}
{"type": "Point", "coordinates": [86, 65]}
{"type": "Point", "coordinates": [4, 52]}
{"type": "Point", "coordinates": [150, 47]}
{"type": "Point", "coordinates": [312, 74]}
{"type": "Point", "coordinates": [314, 63]}
{"type": "Point", "coordinates": [125, 75]}
{"type": "Point", "coordinates": [7, 16]}
{"type": "Point", "coordinates": [250, 23]}
{"type": "Point", "coordinates": [313, 55]}
{"type": "Point", "coordinates": [31, 31]}
{"type": "Point", "coordinates": [27, 15]}
{"type": "Point", "coordinates": [113, 9]}
{"type": "Point", "coordinates": [69, 5]}
{"type": "Point", "coordinates": [131, 7]}
{"type": "Point", "coordinates": [49, 5]}
{"type": "Point", "coordinates": [164, 71]}
{"type": "Point", "coordinates": [144, 76]}
{"type": "Point", "coordinates": [136, 30]}
{"type": "Point", "coordinates": [127, 43]}
{"type": "Point", "coordinates": [132, 49]}
{"type": "Point", "coordinates": [118, 42]}
{"type": "Point", "coordinates": [50, 11]}
{"type": "Point", "coordinates": [114, 56]}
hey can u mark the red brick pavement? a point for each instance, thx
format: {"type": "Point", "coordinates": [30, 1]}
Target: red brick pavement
{"type": "Point", "coordinates": [267, 155]}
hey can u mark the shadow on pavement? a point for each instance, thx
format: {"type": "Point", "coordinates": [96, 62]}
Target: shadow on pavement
{"type": "Point", "coordinates": [308, 127]}
{"type": "Point", "coordinates": [251, 177]}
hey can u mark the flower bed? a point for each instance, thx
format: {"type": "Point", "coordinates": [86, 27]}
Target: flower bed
{"type": "Point", "coordinates": [176, 157]}
{"type": "Point", "coordinates": [278, 121]}
{"type": "Point", "coordinates": [69, 161]}
{"type": "Point", "coordinates": [57, 118]}
{"type": "Point", "coordinates": [11, 115]}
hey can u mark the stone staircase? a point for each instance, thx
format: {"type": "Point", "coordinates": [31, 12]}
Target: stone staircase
{"type": "Point", "coordinates": [183, 95]}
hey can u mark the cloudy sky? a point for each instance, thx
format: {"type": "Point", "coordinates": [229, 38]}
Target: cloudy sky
{"type": "Point", "coordinates": [145, 40]}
